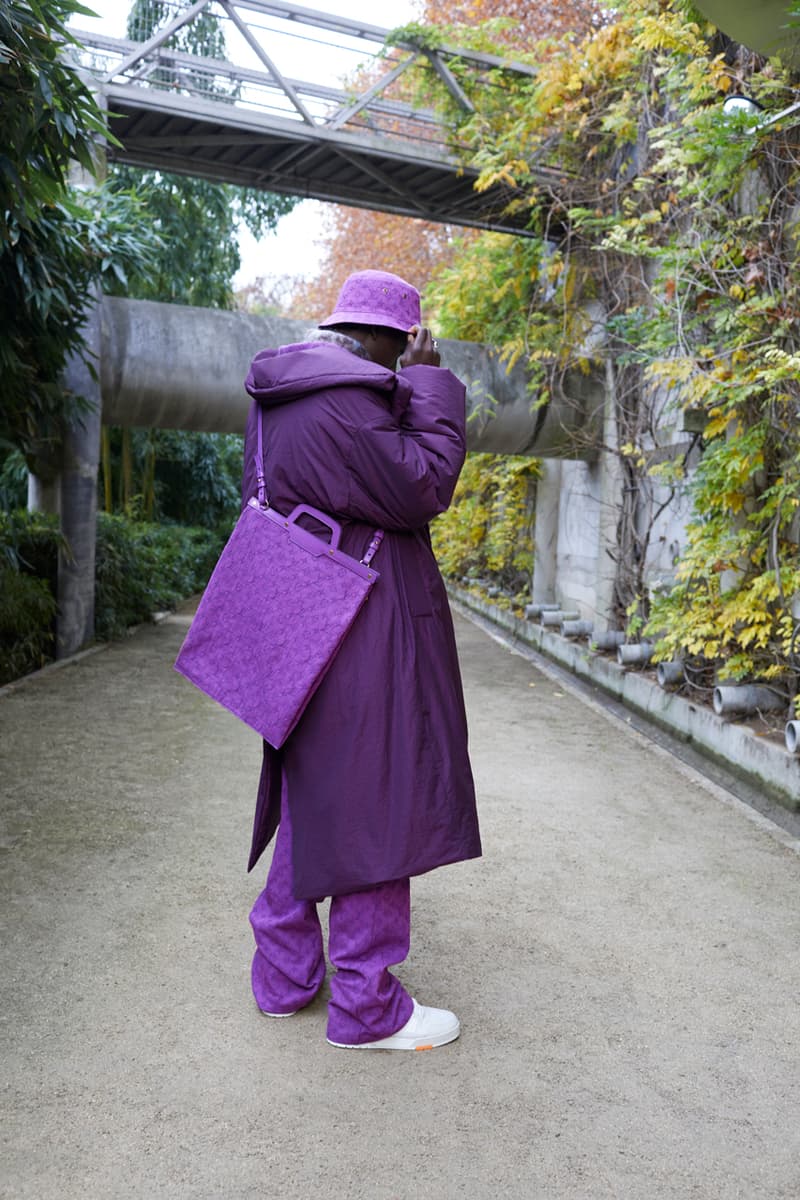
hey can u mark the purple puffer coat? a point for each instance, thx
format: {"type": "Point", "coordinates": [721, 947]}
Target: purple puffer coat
{"type": "Point", "coordinates": [377, 774]}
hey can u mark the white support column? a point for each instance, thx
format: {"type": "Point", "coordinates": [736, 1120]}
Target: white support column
{"type": "Point", "coordinates": [545, 533]}
{"type": "Point", "coordinates": [44, 496]}
{"type": "Point", "coordinates": [610, 486]}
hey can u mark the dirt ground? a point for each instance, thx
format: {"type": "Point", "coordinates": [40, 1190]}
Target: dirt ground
{"type": "Point", "coordinates": [624, 961]}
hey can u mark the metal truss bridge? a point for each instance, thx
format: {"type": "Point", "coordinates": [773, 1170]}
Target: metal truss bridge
{"type": "Point", "coordinates": [261, 120]}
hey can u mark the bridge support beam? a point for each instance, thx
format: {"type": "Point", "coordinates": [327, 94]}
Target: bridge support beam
{"type": "Point", "coordinates": [176, 367]}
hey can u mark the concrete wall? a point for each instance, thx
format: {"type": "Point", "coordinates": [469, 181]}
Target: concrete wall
{"type": "Point", "coordinates": [577, 511]}
{"type": "Point", "coordinates": [578, 544]}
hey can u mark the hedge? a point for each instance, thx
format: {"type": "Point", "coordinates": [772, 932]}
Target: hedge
{"type": "Point", "coordinates": [140, 568]}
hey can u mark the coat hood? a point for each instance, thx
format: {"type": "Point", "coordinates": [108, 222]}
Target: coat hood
{"type": "Point", "coordinates": [279, 376]}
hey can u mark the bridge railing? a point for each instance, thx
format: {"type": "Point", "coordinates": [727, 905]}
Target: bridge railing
{"type": "Point", "coordinates": [270, 47]}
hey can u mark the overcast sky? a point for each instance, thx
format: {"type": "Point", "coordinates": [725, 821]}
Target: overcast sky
{"type": "Point", "coordinates": [292, 250]}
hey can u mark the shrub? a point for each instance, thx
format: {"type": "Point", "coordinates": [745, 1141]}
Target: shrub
{"type": "Point", "coordinates": [28, 566]}
{"type": "Point", "coordinates": [140, 568]}
{"type": "Point", "coordinates": [143, 568]}
{"type": "Point", "coordinates": [29, 543]}
{"type": "Point", "coordinates": [486, 532]}
{"type": "Point", "coordinates": [27, 612]}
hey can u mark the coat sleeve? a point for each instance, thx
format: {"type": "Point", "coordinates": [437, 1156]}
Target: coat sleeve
{"type": "Point", "coordinates": [402, 473]}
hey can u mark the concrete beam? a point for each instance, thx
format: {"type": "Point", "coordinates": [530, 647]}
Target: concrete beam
{"type": "Point", "coordinates": [170, 366]}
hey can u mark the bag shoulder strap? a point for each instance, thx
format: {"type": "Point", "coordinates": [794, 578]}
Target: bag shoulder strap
{"type": "Point", "coordinates": [263, 498]}
{"type": "Point", "coordinates": [373, 547]}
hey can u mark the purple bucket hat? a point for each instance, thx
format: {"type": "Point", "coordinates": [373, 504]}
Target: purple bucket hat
{"type": "Point", "coordinates": [376, 298]}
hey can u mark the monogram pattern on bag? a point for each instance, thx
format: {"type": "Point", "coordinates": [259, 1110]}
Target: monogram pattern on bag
{"type": "Point", "coordinates": [268, 626]}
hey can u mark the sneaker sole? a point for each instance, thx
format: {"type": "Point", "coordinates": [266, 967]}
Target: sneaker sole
{"type": "Point", "coordinates": [400, 1043]}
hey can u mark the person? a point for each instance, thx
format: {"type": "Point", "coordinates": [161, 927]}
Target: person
{"type": "Point", "coordinates": [374, 784]}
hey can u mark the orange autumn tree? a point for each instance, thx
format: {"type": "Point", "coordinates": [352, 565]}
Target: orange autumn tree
{"type": "Point", "coordinates": [358, 238]}
{"type": "Point", "coordinates": [529, 22]}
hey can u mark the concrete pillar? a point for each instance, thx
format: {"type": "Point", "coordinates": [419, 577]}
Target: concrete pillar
{"type": "Point", "coordinates": [545, 533]}
{"type": "Point", "coordinates": [75, 622]}
{"type": "Point", "coordinates": [610, 491]}
{"type": "Point", "coordinates": [77, 486]}
{"type": "Point", "coordinates": [44, 495]}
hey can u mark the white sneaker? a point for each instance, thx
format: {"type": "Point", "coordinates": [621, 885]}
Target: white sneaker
{"type": "Point", "coordinates": [425, 1028]}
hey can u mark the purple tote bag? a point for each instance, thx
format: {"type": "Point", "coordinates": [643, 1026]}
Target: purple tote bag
{"type": "Point", "coordinates": [276, 610]}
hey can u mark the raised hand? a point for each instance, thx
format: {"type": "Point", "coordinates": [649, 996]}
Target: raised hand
{"type": "Point", "coordinates": [421, 350]}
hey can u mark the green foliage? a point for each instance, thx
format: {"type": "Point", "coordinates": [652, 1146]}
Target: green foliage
{"type": "Point", "coordinates": [486, 532]}
{"type": "Point", "coordinates": [30, 541]}
{"type": "Point", "coordinates": [53, 246]}
{"type": "Point", "coordinates": [683, 226]}
{"type": "Point", "coordinates": [416, 34]}
{"type": "Point", "coordinates": [199, 477]}
{"type": "Point", "coordinates": [141, 568]}
{"type": "Point", "coordinates": [203, 35]}
{"type": "Point", "coordinates": [49, 268]}
{"type": "Point", "coordinates": [13, 479]}
{"type": "Point", "coordinates": [144, 568]}
{"type": "Point", "coordinates": [27, 613]}
{"type": "Point", "coordinates": [196, 221]}
{"type": "Point", "coordinates": [48, 117]}
{"type": "Point", "coordinates": [28, 564]}
{"type": "Point", "coordinates": [197, 224]}
{"type": "Point", "coordinates": [172, 475]}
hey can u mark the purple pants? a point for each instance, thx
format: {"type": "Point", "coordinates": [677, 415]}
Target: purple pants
{"type": "Point", "coordinates": [368, 932]}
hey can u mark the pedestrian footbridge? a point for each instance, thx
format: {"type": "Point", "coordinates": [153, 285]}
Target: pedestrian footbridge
{"type": "Point", "coordinates": [258, 119]}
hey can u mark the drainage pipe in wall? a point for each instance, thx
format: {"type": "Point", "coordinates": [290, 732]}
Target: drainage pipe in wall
{"type": "Point", "coordinates": [554, 619]}
{"type": "Point", "coordinates": [670, 672]}
{"type": "Point", "coordinates": [610, 639]}
{"type": "Point", "coordinates": [746, 699]}
{"type": "Point", "coordinates": [534, 611]}
{"type": "Point", "coordinates": [635, 654]}
{"type": "Point", "coordinates": [576, 628]}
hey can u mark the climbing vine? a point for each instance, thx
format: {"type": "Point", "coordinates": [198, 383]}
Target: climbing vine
{"type": "Point", "coordinates": [678, 230]}
{"type": "Point", "coordinates": [486, 534]}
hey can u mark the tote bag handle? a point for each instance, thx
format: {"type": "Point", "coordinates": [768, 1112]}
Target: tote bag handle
{"type": "Point", "coordinates": [335, 528]}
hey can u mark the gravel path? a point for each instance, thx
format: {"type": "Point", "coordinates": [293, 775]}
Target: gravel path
{"type": "Point", "coordinates": [624, 960]}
